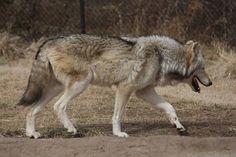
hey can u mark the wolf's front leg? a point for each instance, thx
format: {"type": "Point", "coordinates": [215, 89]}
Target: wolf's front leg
{"type": "Point", "coordinates": [149, 95]}
{"type": "Point", "coordinates": [122, 96]}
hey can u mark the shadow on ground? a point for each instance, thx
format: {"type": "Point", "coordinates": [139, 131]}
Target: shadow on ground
{"type": "Point", "coordinates": [195, 129]}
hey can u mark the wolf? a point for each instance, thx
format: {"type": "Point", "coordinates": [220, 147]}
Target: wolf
{"type": "Point", "coordinates": [69, 64]}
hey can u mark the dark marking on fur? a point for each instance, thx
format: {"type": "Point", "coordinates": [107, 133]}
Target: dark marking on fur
{"type": "Point", "coordinates": [44, 43]}
{"type": "Point", "coordinates": [131, 43]}
{"type": "Point", "coordinates": [175, 75]}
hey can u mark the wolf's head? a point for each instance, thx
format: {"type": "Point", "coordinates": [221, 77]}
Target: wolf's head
{"type": "Point", "coordinates": [195, 66]}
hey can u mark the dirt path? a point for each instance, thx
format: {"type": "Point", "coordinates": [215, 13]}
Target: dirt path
{"type": "Point", "coordinates": [103, 146]}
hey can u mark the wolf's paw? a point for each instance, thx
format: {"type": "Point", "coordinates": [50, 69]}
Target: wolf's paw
{"type": "Point", "coordinates": [72, 130]}
{"type": "Point", "coordinates": [33, 134]}
{"type": "Point", "coordinates": [121, 134]}
{"type": "Point", "coordinates": [182, 131]}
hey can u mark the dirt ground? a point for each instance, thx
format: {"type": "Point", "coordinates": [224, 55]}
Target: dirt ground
{"type": "Point", "coordinates": [104, 146]}
{"type": "Point", "coordinates": [211, 113]}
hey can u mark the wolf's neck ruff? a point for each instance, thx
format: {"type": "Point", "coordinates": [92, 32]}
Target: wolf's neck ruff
{"type": "Point", "coordinates": [173, 65]}
{"type": "Point", "coordinates": [171, 55]}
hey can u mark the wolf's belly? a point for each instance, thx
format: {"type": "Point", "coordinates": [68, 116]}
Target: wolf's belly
{"type": "Point", "coordinates": [133, 73]}
{"type": "Point", "coordinates": [109, 72]}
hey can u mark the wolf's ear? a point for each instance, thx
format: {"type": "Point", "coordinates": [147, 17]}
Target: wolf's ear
{"type": "Point", "coordinates": [192, 47]}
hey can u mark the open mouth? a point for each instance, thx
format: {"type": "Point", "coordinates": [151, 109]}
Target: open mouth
{"type": "Point", "coordinates": [195, 85]}
{"type": "Point", "coordinates": [202, 77]}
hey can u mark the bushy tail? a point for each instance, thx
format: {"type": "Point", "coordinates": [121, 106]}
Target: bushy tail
{"type": "Point", "coordinates": [38, 81]}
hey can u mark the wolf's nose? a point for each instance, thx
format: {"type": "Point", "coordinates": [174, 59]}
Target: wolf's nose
{"type": "Point", "coordinates": [210, 83]}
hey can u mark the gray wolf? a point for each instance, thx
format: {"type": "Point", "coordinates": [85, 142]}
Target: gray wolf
{"type": "Point", "coordinates": [69, 64]}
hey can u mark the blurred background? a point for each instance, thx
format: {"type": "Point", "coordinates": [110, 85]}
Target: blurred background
{"type": "Point", "coordinates": [202, 20]}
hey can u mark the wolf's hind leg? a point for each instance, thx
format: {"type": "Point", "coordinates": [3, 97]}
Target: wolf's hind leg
{"type": "Point", "coordinates": [31, 116]}
{"type": "Point", "coordinates": [72, 89]}
{"type": "Point", "coordinates": [30, 121]}
{"type": "Point", "coordinates": [149, 95]}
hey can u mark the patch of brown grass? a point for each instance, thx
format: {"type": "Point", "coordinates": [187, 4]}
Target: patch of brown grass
{"type": "Point", "coordinates": [223, 59]}
{"type": "Point", "coordinates": [11, 46]}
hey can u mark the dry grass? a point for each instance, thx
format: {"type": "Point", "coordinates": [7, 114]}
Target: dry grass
{"type": "Point", "coordinates": [195, 19]}
{"type": "Point", "coordinates": [211, 113]}
{"type": "Point", "coordinates": [225, 63]}
{"type": "Point", "coordinates": [11, 47]}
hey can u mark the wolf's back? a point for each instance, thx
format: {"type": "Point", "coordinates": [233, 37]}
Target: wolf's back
{"type": "Point", "coordinates": [39, 77]}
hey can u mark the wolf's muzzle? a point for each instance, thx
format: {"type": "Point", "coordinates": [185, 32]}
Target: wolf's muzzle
{"type": "Point", "coordinates": [203, 77]}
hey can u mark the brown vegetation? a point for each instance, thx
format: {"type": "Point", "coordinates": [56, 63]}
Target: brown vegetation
{"type": "Point", "coordinates": [202, 20]}
{"type": "Point", "coordinates": [11, 47]}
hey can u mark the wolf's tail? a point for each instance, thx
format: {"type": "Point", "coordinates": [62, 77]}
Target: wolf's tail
{"type": "Point", "coordinates": [39, 78]}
